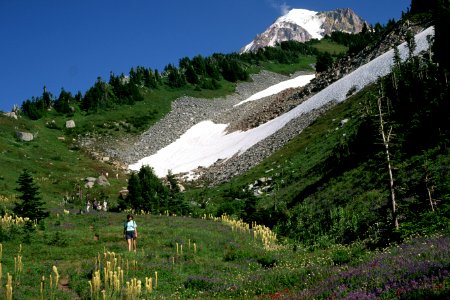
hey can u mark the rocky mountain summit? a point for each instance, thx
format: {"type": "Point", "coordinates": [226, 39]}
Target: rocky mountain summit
{"type": "Point", "coordinates": [303, 25]}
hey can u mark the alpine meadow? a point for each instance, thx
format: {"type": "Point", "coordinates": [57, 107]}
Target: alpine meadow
{"type": "Point", "coordinates": [310, 165]}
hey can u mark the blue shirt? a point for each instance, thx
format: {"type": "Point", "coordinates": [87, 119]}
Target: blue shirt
{"type": "Point", "coordinates": [130, 225]}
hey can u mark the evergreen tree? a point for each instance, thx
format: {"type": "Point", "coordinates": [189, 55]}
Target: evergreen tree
{"type": "Point", "coordinates": [174, 77]}
{"type": "Point", "coordinates": [47, 99]}
{"type": "Point", "coordinates": [157, 77]}
{"type": "Point", "coordinates": [232, 70]}
{"type": "Point", "coordinates": [191, 76]}
{"type": "Point", "coordinates": [78, 97]}
{"type": "Point", "coordinates": [98, 97]}
{"type": "Point", "coordinates": [33, 108]}
{"type": "Point", "coordinates": [441, 20]}
{"type": "Point", "coordinates": [62, 104]}
{"type": "Point", "coordinates": [150, 79]}
{"type": "Point", "coordinates": [324, 61]}
{"type": "Point", "coordinates": [154, 193]}
{"type": "Point", "coordinates": [173, 183]}
{"type": "Point", "coordinates": [199, 65]}
{"type": "Point", "coordinates": [176, 202]}
{"type": "Point", "coordinates": [31, 205]}
{"type": "Point", "coordinates": [134, 197]}
{"type": "Point", "coordinates": [212, 68]}
{"type": "Point", "coordinates": [422, 6]}
{"type": "Point", "coordinates": [184, 63]}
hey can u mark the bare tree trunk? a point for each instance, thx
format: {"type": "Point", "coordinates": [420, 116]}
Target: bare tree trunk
{"type": "Point", "coordinates": [429, 190]}
{"type": "Point", "coordinates": [386, 138]}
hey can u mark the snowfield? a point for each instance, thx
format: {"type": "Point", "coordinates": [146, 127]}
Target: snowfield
{"type": "Point", "coordinates": [279, 87]}
{"type": "Point", "coordinates": [206, 142]}
{"type": "Point", "coordinates": [307, 19]}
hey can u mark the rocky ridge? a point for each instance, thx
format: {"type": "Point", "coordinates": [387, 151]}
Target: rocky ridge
{"type": "Point", "coordinates": [287, 27]}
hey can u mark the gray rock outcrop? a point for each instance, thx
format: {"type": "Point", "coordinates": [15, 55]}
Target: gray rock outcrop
{"type": "Point", "coordinates": [70, 124]}
{"type": "Point", "coordinates": [11, 114]}
{"type": "Point", "coordinates": [24, 136]}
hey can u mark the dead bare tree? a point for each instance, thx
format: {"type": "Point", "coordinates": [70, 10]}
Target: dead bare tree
{"type": "Point", "coordinates": [386, 135]}
{"type": "Point", "coordinates": [430, 188]}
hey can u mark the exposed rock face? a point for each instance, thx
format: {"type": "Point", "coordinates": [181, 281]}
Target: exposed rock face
{"type": "Point", "coordinates": [342, 19]}
{"type": "Point", "coordinates": [279, 32]}
{"type": "Point", "coordinates": [303, 25]}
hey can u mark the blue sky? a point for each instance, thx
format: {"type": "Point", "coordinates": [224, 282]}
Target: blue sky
{"type": "Point", "coordinates": [69, 43]}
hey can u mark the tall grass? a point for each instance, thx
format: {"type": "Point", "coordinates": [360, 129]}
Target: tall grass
{"type": "Point", "coordinates": [210, 258]}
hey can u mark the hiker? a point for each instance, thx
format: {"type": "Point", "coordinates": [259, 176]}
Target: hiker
{"type": "Point", "coordinates": [130, 232]}
{"type": "Point", "coordinates": [88, 206]}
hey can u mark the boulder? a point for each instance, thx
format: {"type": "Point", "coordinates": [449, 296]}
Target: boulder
{"type": "Point", "coordinates": [343, 122]}
{"type": "Point", "coordinates": [87, 179]}
{"type": "Point", "coordinates": [89, 184]}
{"type": "Point", "coordinates": [11, 115]}
{"type": "Point", "coordinates": [102, 181]}
{"type": "Point", "coordinates": [24, 136]}
{"type": "Point", "coordinates": [70, 124]}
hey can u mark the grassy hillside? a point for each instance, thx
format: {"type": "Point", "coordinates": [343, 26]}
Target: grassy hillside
{"type": "Point", "coordinates": [59, 165]}
{"type": "Point", "coordinates": [189, 258]}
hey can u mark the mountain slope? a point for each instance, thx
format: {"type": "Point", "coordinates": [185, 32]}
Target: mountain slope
{"type": "Point", "coordinates": [224, 144]}
{"type": "Point", "coordinates": [303, 25]}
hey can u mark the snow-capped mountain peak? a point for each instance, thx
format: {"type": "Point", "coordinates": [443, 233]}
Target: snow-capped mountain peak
{"type": "Point", "coordinates": [303, 25]}
{"type": "Point", "coordinates": [310, 20]}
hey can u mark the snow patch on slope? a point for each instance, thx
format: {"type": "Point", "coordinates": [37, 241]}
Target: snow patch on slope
{"type": "Point", "coordinates": [298, 81]}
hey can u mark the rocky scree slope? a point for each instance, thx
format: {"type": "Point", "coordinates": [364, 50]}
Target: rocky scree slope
{"type": "Point", "coordinates": [188, 111]}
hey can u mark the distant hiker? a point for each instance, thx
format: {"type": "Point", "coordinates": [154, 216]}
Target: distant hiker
{"type": "Point", "coordinates": [130, 232]}
{"type": "Point", "coordinates": [88, 206]}
{"type": "Point", "coordinates": [104, 205]}
{"type": "Point", "coordinates": [95, 204]}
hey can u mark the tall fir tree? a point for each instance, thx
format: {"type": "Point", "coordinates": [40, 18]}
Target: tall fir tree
{"type": "Point", "coordinates": [31, 205]}
{"type": "Point", "coordinates": [154, 193]}
{"type": "Point", "coordinates": [134, 198]}
{"type": "Point", "coordinates": [62, 104]}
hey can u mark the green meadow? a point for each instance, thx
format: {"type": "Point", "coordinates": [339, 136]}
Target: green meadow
{"type": "Point", "coordinates": [84, 256]}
